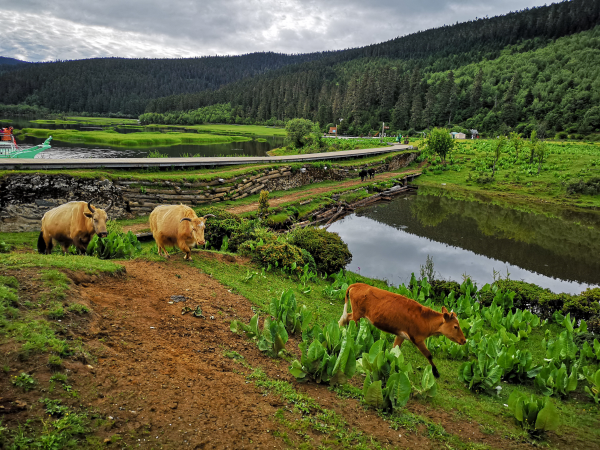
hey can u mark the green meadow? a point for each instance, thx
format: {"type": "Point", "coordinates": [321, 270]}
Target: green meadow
{"type": "Point", "coordinates": [470, 168]}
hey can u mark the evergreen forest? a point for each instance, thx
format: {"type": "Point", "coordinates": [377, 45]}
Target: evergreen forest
{"type": "Point", "coordinates": [535, 69]}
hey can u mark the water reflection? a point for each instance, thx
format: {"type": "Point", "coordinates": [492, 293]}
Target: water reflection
{"type": "Point", "coordinates": [392, 240]}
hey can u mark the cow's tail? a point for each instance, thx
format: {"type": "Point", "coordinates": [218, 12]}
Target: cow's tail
{"type": "Point", "coordinates": [344, 319]}
{"type": "Point", "coordinates": [41, 243]}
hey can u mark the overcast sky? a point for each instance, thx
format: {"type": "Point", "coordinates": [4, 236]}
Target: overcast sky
{"type": "Point", "coordinates": [46, 30]}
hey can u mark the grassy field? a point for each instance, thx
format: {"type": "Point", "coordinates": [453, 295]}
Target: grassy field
{"type": "Point", "coordinates": [97, 121]}
{"type": "Point", "coordinates": [469, 169]}
{"type": "Point", "coordinates": [230, 129]}
{"type": "Point", "coordinates": [333, 145]}
{"type": "Point", "coordinates": [140, 140]}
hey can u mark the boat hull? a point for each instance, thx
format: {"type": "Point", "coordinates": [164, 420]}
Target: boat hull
{"type": "Point", "coordinates": [15, 152]}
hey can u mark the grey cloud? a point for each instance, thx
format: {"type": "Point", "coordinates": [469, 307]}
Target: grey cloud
{"type": "Point", "coordinates": [69, 29]}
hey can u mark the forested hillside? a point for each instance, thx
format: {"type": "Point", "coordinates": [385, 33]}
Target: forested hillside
{"type": "Point", "coordinates": [535, 68]}
{"type": "Point", "coordinates": [118, 85]}
{"type": "Point", "coordinates": [513, 71]}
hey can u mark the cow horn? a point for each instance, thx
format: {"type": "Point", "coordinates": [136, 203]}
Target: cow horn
{"type": "Point", "coordinates": [109, 206]}
{"type": "Point", "coordinates": [90, 207]}
{"type": "Point", "coordinates": [209, 215]}
{"type": "Point", "coordinates": [185, 218]}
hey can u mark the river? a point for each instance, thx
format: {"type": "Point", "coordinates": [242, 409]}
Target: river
{"type": "Point", "coordinates": [391, 240]}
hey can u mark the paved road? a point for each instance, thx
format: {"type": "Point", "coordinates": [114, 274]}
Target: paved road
{"type": "Point", "coordinates": [134, 163]}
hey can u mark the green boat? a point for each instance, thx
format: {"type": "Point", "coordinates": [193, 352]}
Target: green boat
{"type": "Point", "coordinates": [10, 149]}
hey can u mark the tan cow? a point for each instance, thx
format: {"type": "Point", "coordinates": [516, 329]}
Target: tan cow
{"type": "Point", "coordinates": [73, 223]}
{"type": "Point", "coordinates": [401, 316]}
{"type": "Point", "coordinates": [177, 225]}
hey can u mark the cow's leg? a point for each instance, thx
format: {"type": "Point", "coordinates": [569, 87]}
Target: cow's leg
{"type": "Point", "coordinates": [81, 243]}
{"type": "Point", "coordinates": [161, 246]}
{"type": "Point", "coordinates": [49, 243]}
{"type": "Point", "coordinates": [398, 341]}
{"type": "Point", "coordinates": [427, 354]}
{"type": "Point", "coordinates": [184, 248]}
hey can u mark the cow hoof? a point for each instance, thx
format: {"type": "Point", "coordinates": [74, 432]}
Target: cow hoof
{"type": "Point", "coordinates": [436, 373]}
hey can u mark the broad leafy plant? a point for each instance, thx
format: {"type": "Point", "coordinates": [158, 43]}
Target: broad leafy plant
{"type": "Point", "coordinates": [271, 340]}
{"type": "Point", "coordinates": [285, 309]}
{"type": "Point", "coordinates": [534, 415]}
{"type": "Point", "coordinates": [482, 374]}
{"type": "Point", "coordinates": [593, 379]}
{"type": "Point", "coordinates": [115, 245]}
{"type": "Point", "coordinates": [386, 384]}
{"type": "Point", "coordinates": [329, 358]}
{"type": "Point", "coordinates": [553, 380]}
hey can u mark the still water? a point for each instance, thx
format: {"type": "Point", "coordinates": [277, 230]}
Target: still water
{"type": "Point", "coordinates": [391, 240]}
{"type": "Point", "coordinates": [258, 146]}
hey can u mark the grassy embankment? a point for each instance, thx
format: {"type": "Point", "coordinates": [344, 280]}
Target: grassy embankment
{"type": "Point", "coordinates": [517, 183]}
{"type": "Point", "coordinates": [487, 413]}
{"type": "Point", "coordinates": [333, 145]}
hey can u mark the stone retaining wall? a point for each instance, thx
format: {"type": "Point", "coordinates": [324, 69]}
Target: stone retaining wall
{"type": "Point", "coordinates": [26, 198]}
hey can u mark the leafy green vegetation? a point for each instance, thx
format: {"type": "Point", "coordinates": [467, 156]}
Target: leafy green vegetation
{"type": "Point", "coordinates": [115, 245]}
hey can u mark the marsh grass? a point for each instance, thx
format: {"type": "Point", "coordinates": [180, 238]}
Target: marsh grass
{"type": "Point", "coordinates": [139, 139]}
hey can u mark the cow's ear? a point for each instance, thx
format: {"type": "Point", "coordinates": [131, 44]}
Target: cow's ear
{"type": "Point", "coordinates": [445, 313]}
{"type": "Point", "coordinates": [87, 214]}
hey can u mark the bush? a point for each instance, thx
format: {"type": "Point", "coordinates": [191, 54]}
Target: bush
{"type": "Point", "coordinates": [527, 294]}
{"type": "Point", "coordinates": [328, 250]}
{"type": "Point", "coordinates": [583, 306]}
{"type": "Point", "coordinates": [589, 187]}
{"type": "Point", "coordinates": [441, 287]}
{"type": "Point", "coordinates": [223, 224]}
{"type": "Point", "coordinates": [276, 253]}
{"type": "Point", "coordinates": [308, 259]}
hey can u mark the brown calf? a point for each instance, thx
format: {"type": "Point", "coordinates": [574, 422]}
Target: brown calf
{"type": "Point", "coordinates": [177, 225]}
{"type": "Point", "coordinates": [72, 223]}
{"type": "Point", "coordinates": [401, 316]}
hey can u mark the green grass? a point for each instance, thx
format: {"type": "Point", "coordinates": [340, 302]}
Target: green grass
{"type": "Point", "coordinates": [243, 130]}
{"type": "Point", "coordinates": [87, 264]}
{"type": "Point", "coordinates": [141, 139]}
{"type": "Point", "coordinates": [515, 181]}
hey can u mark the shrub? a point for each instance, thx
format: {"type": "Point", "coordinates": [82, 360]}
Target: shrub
{"type": "Point", "coordinates": [308, 259]}
{"type": "Point", "coordinates": [274, 253]}
{"type": "Point", "coordinates": [442, 287]}
{"type": "Point", "coordinates": [527, 294]}
{"type": "Point", "coordinates": [223, 224]}
{"type": "Point", "coordinates": [583, 306]}
{"type": "Point", "coordinates": [263, 204]}
{"type": "Point", "coordinates": [589, 187]}
{"type": "Point", "coordinates": [328, 250]}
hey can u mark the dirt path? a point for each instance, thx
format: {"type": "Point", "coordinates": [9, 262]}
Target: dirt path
{"type": "Point", "coordinates": [313, 192]}
{"type": "Point", "coordinates": [164, 378]}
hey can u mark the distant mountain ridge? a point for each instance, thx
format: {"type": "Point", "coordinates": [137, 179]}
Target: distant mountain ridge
{"type": "Point", "coordinates": [11, 61]}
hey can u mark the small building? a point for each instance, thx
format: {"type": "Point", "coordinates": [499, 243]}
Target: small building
{"type": "Point", "coordinates": [460, 136]}
{"type": "Point", "coordinates": [333, 130]}
{"type": "Point", "coordinates": [474, 134]}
